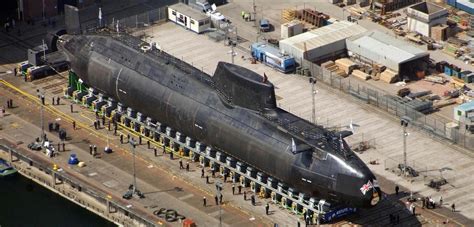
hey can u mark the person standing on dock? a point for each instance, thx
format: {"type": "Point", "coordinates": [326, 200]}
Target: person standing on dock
{"type": "Point", "coordinates": [204, 202]}
{"type": "Point", "coordinates": [74, 125]}
{"type": "Point", "coordinates": [202, 172]}
{"type": "Point", "coordinates": [187, 166]}
{"type": "Point", "coordinates": [53, 102]}
{"type": "Point", "coordinates": [233, 189]}
{"type": "Point", "coordinates": [267, 209]}
{"type": "Point", "coordinates": [57, 101]}
{"type": "Point", "coordinates": [90, 149]}
{"type": "Point", "coordinates": [216, 200]}
{"type": "Point", "coordinates": [181, 164]}
{"type": "Point", "coordinates": [72, 108]}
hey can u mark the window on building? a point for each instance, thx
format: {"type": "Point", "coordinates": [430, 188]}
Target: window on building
{"type": "Point", "coordinates": [173, 12]}
{"type": "Point", "coordinates": [192, 21]}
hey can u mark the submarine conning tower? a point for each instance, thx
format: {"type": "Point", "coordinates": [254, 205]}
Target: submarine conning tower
{"type": "Point", "coordinates": [242, 87]}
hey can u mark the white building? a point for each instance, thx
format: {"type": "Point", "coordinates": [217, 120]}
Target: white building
{"type": "Point", "coordinates": [397, 55]}
{"type": "Point", "coordinates": [188, 17]}
{"type": "Point", "coordinates": [424, 15]}
{"type": "Point", "coordinates": [321, 43]}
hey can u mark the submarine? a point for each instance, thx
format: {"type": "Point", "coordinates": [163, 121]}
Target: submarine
{"type": "Point", "coordinates": [233, 111]}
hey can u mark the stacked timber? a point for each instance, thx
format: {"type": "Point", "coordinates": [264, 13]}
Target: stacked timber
{"type": "Point", "coordinates": [346, 65]}
{"type": "Point", "coordinates": [389, 76]}
{"type": "Point", "coordinates": [288, 15]}
{"type": "Point", "coordinates": [334, 69]}
{"type": "Point", "coordinates": [361, 75]}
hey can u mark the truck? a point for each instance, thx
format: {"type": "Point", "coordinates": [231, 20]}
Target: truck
{"type": "Point", "coordinates": [201, 5]}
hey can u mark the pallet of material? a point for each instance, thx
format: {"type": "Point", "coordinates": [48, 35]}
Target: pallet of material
{"type": "Point", "coordinates": [333, 68]}
{"type": "Point", "coordinates": [435, 79]}
{"type": "Point", "coordinates": [327, 64]}
{"type": "Point", "coordinates": [389, 76]}
{"type": "Point", "coordinates": [442, 103]}
{"type": "Point", "coordinates": [341, 73]}
{"type": "Point", "coordinates": [361, 75]}
{"type": "Point", "coordinates": [346, 65]}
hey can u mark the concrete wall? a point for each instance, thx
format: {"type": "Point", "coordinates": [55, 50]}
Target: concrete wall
{"type": "Point", "coordinates": [417, 26]}
{"type": "Point", "coordinates": [422, 27]}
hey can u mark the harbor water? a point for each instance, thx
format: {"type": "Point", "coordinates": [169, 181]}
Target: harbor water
{"type": "Point", "coordinates": [25, 203]}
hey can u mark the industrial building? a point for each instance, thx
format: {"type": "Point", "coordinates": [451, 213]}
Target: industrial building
{"type": "Point", "coordinates": [189, 18]}
{"type": "Point", "coordinates": [376, 47]}
{"type": "Point", "coordinates": [464, 114]}
{"type": "Point", "coordinates": [385, 6]}
{"type": "Point", "coordinates": [424, 15]}
{"type": "Point", "coordinates": [322, 43]}
{"type": "Point", "coordinates": [464, 5]}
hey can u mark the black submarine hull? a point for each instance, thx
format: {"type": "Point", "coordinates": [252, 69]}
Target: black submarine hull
{"type": "Point", "coordinates": [234, 111]}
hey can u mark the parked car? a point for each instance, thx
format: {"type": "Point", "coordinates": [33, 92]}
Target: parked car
{"type": "Point", "coordinates": [264, 25]}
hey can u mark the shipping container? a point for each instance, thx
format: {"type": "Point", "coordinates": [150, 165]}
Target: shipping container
{"type": "Point", "coordinates": [469, 78]}
{"type": "Point", "coordinates": [271, 56]}
{"type": "Point", "coordinates": [447, 70]}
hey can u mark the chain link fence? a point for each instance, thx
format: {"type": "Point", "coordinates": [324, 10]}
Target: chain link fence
{"type": "Point", "coordinates": [433, 125]}
{"type": "Point", "coordinates": [130, 23]}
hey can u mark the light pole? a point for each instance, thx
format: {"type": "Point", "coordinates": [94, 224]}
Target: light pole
{"type": "Point", "coordinates": [218, 190]}
{"type": "Point", "coordinates": [312, 80]}
{"type": "Point", "coordinates": [133, 144]}
{"type": "Point", "coordinates": [404, 123]}
{"type": "Point", "coordinates": [41, 98]}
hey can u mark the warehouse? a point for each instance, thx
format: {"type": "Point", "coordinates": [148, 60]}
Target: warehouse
{"type": "Point", "coordinates": [189, 18]}
{"type": "Point", "coordinates": [465, 5]}
{"type": "Point", "coordinates": [378, 48]}
{"type": "Point", "coordinates": [423, 16]}
{"type": "Point", "coordinates": [322, 43]}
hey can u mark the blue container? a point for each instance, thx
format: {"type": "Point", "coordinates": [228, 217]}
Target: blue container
{"type": "Point", "coordinates": [447, 70]}
{"type": "Point", "coordinates": [451, 2]}
{"type": "Point", "coordinates": [464, 7]}
{"type": "Point", "coordinates": [73, 160]}
{"type": "Point", "coordinates": [455, 74]}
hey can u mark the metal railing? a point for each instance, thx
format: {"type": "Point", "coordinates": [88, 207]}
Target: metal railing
{"type": "Point", "coordinates": [432, 124]}
{"type": "Point", "coordinates": [63, 177]}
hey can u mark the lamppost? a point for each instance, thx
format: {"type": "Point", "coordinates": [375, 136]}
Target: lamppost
{"type": "Point", "coordinates": [218, 190]}
{"type": "Point", "coordinates": [404, 123]}
{"type": "Point", "coordinates": [133, 144]}
{"type": "Point", "coordinates": [132, 189]}
{"type": "Point", "coordinates": [41, 98]}
{"type": "Point", "coordinates": [312, 81]}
